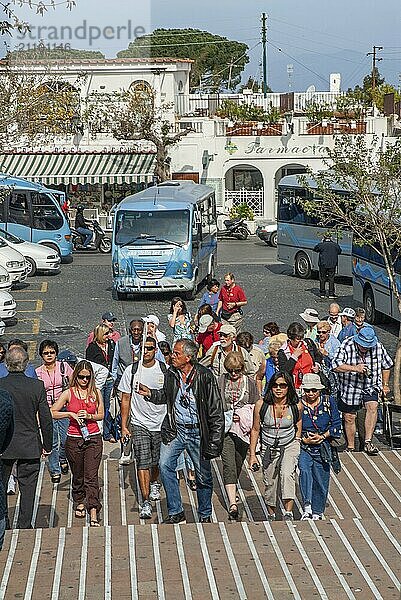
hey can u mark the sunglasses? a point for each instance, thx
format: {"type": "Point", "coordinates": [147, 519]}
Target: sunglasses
{"type": "Point", "coordinates": [84, 377]}
{"type": "Point", "coordinates": [320, 331]}
{"type": "Point", "coordinates": [149, 348]}
{"type": "Point", "coordinates": [313, 390]}
{"type": "Point", "coordinates": [234, 371]}
{"type": "Point", "coordinates": [46, 352]}
{"type": "Point", "coordinates": [280, 386]}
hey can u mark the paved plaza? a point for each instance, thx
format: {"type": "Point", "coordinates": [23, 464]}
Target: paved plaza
{"type": "Point", "coordinates": [355, 552]}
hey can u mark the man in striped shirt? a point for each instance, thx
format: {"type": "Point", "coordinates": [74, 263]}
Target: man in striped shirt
{"type": "Point", "coordinates": [363, 367]}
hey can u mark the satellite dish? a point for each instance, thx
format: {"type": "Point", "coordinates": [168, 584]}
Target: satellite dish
{"type": "Point", "coordinates": [311, 89]}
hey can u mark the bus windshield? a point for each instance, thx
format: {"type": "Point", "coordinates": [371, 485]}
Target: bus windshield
{"type": "Point", "coordinates": [148, 227]}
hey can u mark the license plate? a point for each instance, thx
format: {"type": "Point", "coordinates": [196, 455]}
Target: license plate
{"type": "Point", "coordinates": [149, 283]}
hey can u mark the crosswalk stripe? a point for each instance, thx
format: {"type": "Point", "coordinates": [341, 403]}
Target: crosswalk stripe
{"type": "Point", "coordinates": [158, 564]}
{"type": "Point", "coordinates": [132, 562]}
{"type": "Point", "coordinates": [9, 563]}
{"type": "Point", "coordinates": [37, 492]}
{"type": "Point", "coordinates": [233, 563]}
{"type": "Point", "coordinates": [258, 564]}
{"type": "Point", "coordinates": [307, 561]}
{"type": "Point", "coordinates": [331, 560]}
{"type": "Point", "coordinates": [183, 566]}
{"type": "Point", "coordinates": [346, 496]}
{"type": "Point", "coordinates": [59, 564]}
{"type": "Point", "coordinates": [281, 560]}
{"type": "Point", "coordinates": [356, 560]}
{"type": "Point", "coordinates": [208, 564]}
{"type": "Point", "coordinates": [107, 563]}
{"type": "Point", "coordinates": [121, 485]}
{"type": "Point", "coordinates": [373, 486]}
{"type": "Point", "coordinates": [84, 559]}
{"type": "Point", "coordinates": [33, 566]}
{"type": "Point", "coordinates": [378, 554]}
{"type": "Point", "coordinates": [105, 494]}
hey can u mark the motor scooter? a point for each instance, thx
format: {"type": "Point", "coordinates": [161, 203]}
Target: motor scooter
{"type": "Point", "coordinates": [233, 228]}
{"type": "Point", "coordinates": [100, 242]}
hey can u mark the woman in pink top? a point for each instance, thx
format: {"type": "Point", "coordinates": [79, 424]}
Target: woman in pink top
{"type": "Point", "coordinates": [84, 445]}
{"type": "Point", "coordinates": [55, 376]}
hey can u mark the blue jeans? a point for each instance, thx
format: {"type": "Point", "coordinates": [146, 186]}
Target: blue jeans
{"type": "Point", "coordinates": [314, 477]}
{"type": "Point", "coordinates": [2, 531]}
{"type": "Point", "coordinates": [189, 440]}
{"type": "Point", "coordinates": [88, 235]}
{"type": "Point", "coordinates": [185, 462]}
{"type": "Point", "coordinates": [57, 456]}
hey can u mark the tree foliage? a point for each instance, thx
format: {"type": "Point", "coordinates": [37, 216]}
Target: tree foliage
{"type": "Point", "coordinates": [35, 108]}
{"type": "Point", "coordinates": [136, 116]}
{"type": "Point", "coordinates": [253, 84]}
{"type": "Point", "coordinates": [371, 175]}
{"type": "Point", "coordinates": [213, 55]}
{"type": "Point", "coordinates": [10, 21]}
{"type": "Point", "coordinates": [367, 95]}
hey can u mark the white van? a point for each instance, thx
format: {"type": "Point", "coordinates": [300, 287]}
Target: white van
{"type": "Point", "coordinates": [13, 262]}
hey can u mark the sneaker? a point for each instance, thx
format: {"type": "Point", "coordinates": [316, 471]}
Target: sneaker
{"type": "Point", "coordinates": [125, 460]}
{"type": "Point", "coordinates": [288, 516]}
{"type": "Point", "coordinates": [316, 517]}
{"type": "Point", "coordinates": [175, 519]}
{"type": "Point", "coordinates": [205, 520]}
{"type": "Point", "coordinates": [370, 449]}
{"type": "Point", "coordinates": [154, 491]}
{"type": "Point", "coordinates": [333, 297]}
{"type": "Point", "coordinates": [322, 295]}
{"type": "Point", "coordinates": [146, 510]}
{"type": "Point", "coordinates": [64, 468]}
{"type": "Point", "coordinates": [271, 517]}
{"type": "Point", "coordinates": [55, 477]}
{"type": "Point", "coordinates": [306, 515]}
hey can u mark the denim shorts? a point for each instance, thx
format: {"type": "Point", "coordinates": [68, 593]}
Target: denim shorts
{"type": "Point", "coordinates": [352, 409]}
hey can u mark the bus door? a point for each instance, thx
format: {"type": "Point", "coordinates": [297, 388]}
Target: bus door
{"type": "Point", "coordinates": [197, 241]}
{"type": "Point", "coordinates": [18, 217]}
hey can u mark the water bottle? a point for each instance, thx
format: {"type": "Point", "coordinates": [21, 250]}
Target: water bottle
{"type": "Point", "coordinates": [84, 429]}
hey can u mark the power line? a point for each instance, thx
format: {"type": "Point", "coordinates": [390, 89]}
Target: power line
{"type": "Point", "coordinates": [300, 63]}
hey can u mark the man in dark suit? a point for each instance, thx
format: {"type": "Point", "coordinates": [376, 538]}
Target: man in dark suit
{"type": "Point", "coordinates": [6, 434]}
{"type": "Point", "coordinates": [28, 441]}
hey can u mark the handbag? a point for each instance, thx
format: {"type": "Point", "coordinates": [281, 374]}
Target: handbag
{"type": "Point", "coordinates": [65, 380]}
{"type": "Point", "coordinates": [337, 442]}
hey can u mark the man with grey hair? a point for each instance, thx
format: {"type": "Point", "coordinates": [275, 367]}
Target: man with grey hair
{"type": "Point", "coordinates": [194, 422]}
{"type": "Point", "coordinates": [30, 438]}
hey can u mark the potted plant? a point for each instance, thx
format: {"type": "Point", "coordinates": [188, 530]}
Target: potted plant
{"type": "Point", "coordinates": [318, 116]}
{"type": "Point", "coordinates": [244, 211]}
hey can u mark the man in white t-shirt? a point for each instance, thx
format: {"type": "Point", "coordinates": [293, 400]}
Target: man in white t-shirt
{"type": "Point", "coordinates": [143, 420]}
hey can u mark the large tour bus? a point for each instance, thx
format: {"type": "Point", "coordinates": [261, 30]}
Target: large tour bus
{"type": "Point", "coordinates": [371, 284]}
{"type": "Point", "coordinates": [298, 233]}
{"type": "Point", "coordinates": [33, 212]}
{"type": "Point", "coordinates": [165, 239]}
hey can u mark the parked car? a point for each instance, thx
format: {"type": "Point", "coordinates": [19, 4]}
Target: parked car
{"type": "Point", "coordinates": [13, 262]}
{"type": "Point", "coordinates": [8, 306]}
{"type": "Point", "coordinates": [5, 281]}
{"type": "Point", "coordinates": [38, 257]}
{"type": "Point", "coordinates": [267, 232]}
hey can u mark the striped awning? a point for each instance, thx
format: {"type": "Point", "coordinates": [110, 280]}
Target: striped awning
{"type": "Point", "coordinates": [80, 168]}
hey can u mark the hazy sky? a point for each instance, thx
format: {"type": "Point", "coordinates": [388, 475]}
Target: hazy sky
{"type": "Point", "coordinates": [315, 36]}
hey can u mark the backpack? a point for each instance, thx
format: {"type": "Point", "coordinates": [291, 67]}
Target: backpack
{"type": "Point", "coordinates": [65, 380]}
{"type": "Point", "coordinates": [135, 369]}
{"type": "Point", "coordinates": [294, 409]}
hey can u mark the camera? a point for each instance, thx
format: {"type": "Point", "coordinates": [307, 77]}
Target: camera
{"type": "Point", "coordinates": [255, 467]}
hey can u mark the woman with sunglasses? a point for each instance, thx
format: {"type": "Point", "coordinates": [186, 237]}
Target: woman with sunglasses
{"type": "Point", "coordinates": [277, 423]}
{"type": "Point", "coordinates": [180, 320]}
{"type": "Point", "coordinates": [101, 351]}
{"type": "Point", "coordinates": [54, 374]}
{"type": "Point", "coordinates": [83, 405]}
{"type": "Point", "coordinates": [320, 422]}
{"type": "Point", "coordinates": [239, 393]}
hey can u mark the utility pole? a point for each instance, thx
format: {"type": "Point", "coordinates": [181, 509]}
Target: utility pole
{"type": "Point", "coordinates": [230, 75]}
{"type": "Point", "coordinates": [375, 60]}
{"type": "Point", "coordinates": [264, 56]}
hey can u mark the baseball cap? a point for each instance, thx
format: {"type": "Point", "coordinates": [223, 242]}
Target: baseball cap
{"type": "Point", "coordinates": [204, 323]}
{"type": "Point", "coordinates": [310, 381]}
{"type": "Point", "coordinates": [348, 312]}
{"type": "Point", "coordinates": [366, 337]}
{"type": "Point", "coordinates": [152, 319]}
{"type": "Point", "coordinates": [227, 329]}
{"type": "Point", "coordinates": [67, 356]}
{"type": "Point", "coordinates": [310, 315]}
{"type": "Point", "coordinates": [109, 316]}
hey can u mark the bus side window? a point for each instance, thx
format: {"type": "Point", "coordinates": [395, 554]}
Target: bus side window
{"type": "Point", "coordinates": [19, 209]}
{"type": "Point", "coordinates": [196, 229]}
{"type": "Point", "coordinates": [205, 218]}
{"type": "Point", "coordinates": [45, 213]}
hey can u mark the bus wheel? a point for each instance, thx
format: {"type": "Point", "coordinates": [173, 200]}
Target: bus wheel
{"type": "Point", "coordinates": [302, 266]}
{"type": "Point", "coordinates": [372, 315]}
{"type": "Point", "coordinates": [116, 295]}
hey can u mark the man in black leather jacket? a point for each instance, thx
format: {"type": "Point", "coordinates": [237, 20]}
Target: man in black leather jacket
{"type": "Point", "coordinates": [194, 422]}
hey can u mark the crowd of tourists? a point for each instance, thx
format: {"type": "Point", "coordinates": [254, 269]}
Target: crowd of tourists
{"type": "Point", "coordinates": [203, 388]}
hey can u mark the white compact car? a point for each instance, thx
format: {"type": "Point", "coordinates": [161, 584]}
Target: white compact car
{"type": "Point", "coordinates": [7, 306]}
{"type": "Point", "coordinates": [13, 262]}
{"type": "Point", "coordinates": [38, 257]}
{"type": "Point", "coordinates": [5, 281]}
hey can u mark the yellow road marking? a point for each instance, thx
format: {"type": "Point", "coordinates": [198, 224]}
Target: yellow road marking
{"type": "Point", "coordinates": [38, 308]}
{"type": "Point", "coordinates": [44, 287]}
{"type": "Point", "coordinates": [36, 326]}
{"type": "Point", "coordinates": [39, 305]}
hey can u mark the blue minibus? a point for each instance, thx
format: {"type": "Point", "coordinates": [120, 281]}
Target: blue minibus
{"type": "Point", "coordinates": [298, 232]}
{"type": "Point", "coordinates": [165, 239]}
{"type": "Point", "coordinates": [33, 212]}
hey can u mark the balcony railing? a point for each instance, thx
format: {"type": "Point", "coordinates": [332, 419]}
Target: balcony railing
{"type": "Point", "coordinates": [335, 127]}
